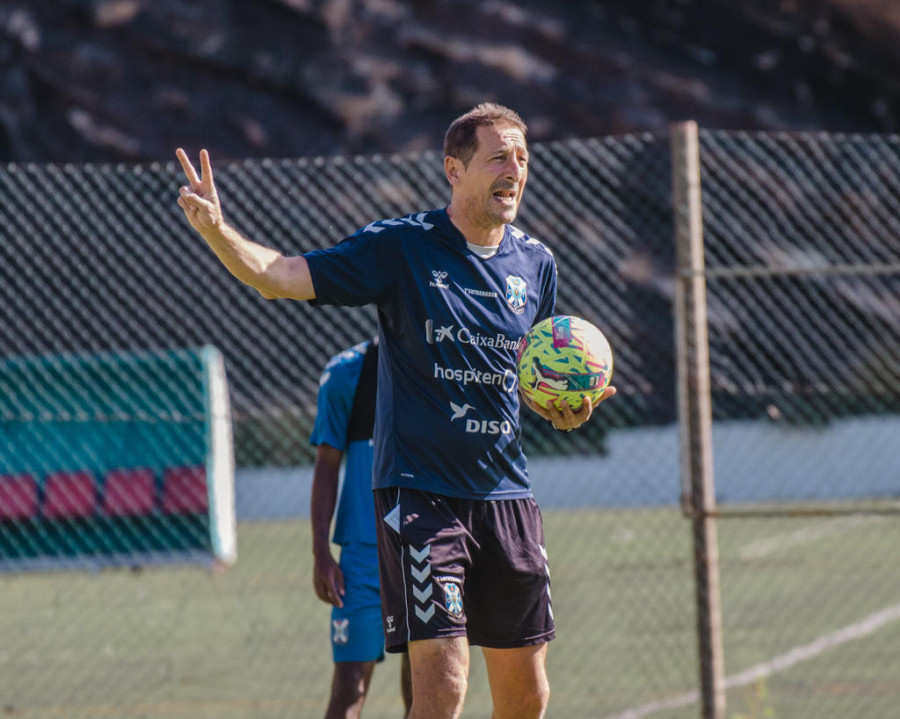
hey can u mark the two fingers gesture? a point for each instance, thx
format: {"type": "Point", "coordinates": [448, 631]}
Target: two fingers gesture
{"type": "Point", "coordinates": [199, 199]}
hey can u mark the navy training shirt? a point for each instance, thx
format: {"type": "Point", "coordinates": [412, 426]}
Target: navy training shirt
{"type": "Point", "coordinates": [447, 411]}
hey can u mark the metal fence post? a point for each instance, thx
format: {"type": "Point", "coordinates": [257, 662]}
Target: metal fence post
{"type": "Point", "coordinates": [695, 412]}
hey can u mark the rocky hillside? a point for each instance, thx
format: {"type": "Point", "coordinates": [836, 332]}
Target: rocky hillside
{"type": "Point", "coordinates": [128, 80]}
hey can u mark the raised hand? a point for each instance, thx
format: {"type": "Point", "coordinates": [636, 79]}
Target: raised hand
{"type": "Point", "coordinates": [199, 200]}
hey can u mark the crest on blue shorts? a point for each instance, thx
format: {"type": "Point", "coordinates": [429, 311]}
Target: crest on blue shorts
{"type": "Point", "coordinates": [340, 626]}
{"type": "Point", "coordinates": [453, 599]}
{"type": "Point", "coordinates": [515, 294]}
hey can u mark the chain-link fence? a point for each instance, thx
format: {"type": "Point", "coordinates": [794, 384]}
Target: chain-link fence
{"type": "Point", "coordinates": [802, 255]}
{"type": "Point", "coordinates": [97, 259]}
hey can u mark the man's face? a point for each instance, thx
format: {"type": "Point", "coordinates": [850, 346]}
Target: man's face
{"type": "Point", "coordinates": [491, 187]}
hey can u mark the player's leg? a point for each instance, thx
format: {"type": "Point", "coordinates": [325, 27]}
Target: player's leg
{"type": "Point", "coordinates": [423, 553]}
{"type": "Point", "coordinates": [357, 639]}
{"type": "Point", "coordinates": [440, 673]}
{"type": "Point", "coordinates": [508, 606]}
{"type": "Point", "coordinates": [518, 679]}
{"type": "Point", "coordinates": [349, 687]}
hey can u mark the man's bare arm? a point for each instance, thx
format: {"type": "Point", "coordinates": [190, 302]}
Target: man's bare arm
{"type": "Point", "coordinates": [268, 271]}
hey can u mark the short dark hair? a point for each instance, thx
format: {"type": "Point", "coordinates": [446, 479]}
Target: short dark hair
{"type": "Point", "coordinates": [461, 140]}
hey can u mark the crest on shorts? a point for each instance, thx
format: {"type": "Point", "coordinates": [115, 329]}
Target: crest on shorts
{"type": "Point", "coordinates": [515, 294]}
{"type": "Point", "coordinates": [453, 599]}
{"type": "Point", "coordinates": [340, 634]}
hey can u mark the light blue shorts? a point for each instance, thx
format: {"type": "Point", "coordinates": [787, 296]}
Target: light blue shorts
{"type": "Point", "coordinates": [356, 628]}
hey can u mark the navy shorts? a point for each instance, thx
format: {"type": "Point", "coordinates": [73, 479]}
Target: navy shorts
{"type": "Point", "coordinates": [454, 567]}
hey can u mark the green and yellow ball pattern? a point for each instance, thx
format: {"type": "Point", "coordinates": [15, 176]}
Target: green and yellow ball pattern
{"type": "Point", "coordinates": [564, 357]}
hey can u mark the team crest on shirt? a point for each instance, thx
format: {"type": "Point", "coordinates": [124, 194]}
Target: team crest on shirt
{"type": "Point", "coordinates": [515, 294]}
{"type": "Point", "coordinates": [453, 599]}
{"type": "Point", "coordinates": [340, 634]}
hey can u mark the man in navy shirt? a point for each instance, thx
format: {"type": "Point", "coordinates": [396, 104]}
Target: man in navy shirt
{"type": "Point", "coordinates": [342, 434]}
{"type": "Point", "coordinates": [460, 539]}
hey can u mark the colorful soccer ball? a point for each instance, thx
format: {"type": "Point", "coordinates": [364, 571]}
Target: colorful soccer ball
{"type": "Point", "coordinates": [563, 357]}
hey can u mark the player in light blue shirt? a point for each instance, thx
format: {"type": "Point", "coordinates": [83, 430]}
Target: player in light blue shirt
{"type": "Point", "coordinates": [342, 434]}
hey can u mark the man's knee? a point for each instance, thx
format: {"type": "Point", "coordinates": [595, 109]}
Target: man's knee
{"type": "Point", "coordinates": [454, 683]}
{"type": "Point", "coordinates": [347, 693]}
{"type": "Point", "coordinates": [534, 701]}
{"type": "Point", "coordinates": [350, 684]}
{"type": "Point", "coordinates": [530, 702]}
{"type": "Point", "coordinates": [440, 674]}
{"type": "Point", "coordinates": [519, 683]}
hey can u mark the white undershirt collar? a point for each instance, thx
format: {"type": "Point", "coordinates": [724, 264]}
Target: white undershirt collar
{"type": "Point", "coordinates": [482, 251]}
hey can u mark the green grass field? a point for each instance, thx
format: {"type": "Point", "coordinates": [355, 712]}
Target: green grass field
{"type": "Point", "coordinates": [252, 641]}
